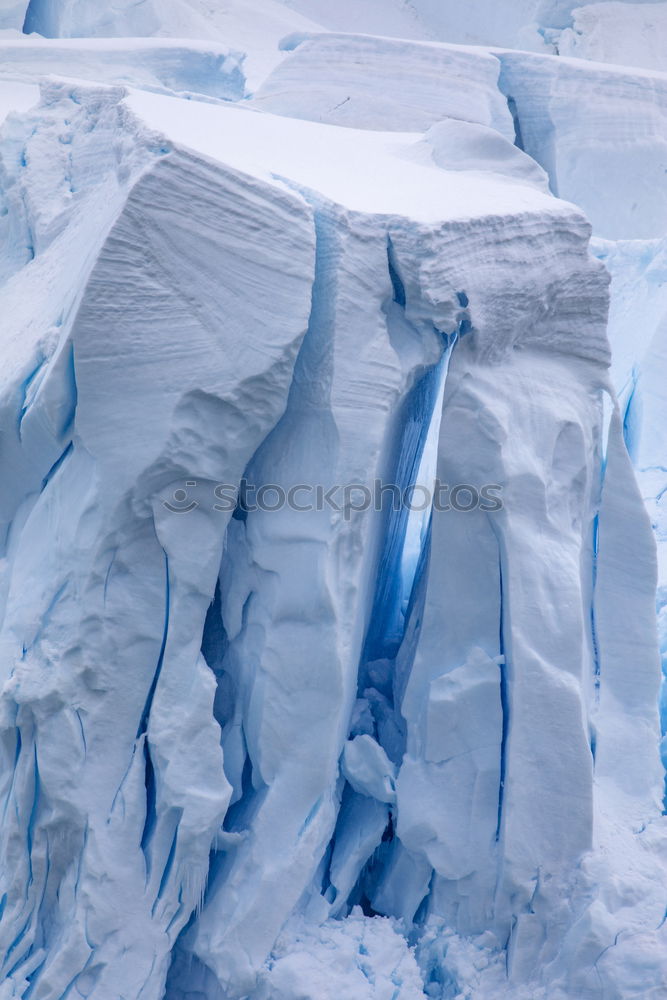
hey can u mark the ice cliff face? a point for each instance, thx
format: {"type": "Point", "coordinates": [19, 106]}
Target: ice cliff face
{"type": "Point", "coordinates": [346, 752]}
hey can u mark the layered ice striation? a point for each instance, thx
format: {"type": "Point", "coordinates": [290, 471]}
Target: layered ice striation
{"type": "Point", "coordinates": [392, 84]}
{"type": "Point", "coordinates": [348, 752]}
{"type": "Point", "coordinates": [607, 154]}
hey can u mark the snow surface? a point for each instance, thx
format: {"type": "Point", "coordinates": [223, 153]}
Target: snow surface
{"type": "Point", "coordinates": [254, 27]}
{"type": "Point", "coordinates": [367, 82]}
{"type": "Point", "coordinates": [16, 96]}
{"type": "Point", "coordinates": [276, 755]}
{"type": "Point", "coordinates": [342, 164]}
{"type": "Point", "coordinates": [628, 33]}
{"type": "Point", "coordinates": [609, 154]}
{"type": "Point", "coordinates": [196, 70]}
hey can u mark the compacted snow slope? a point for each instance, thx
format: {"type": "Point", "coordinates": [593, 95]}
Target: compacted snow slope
{"type": "Point", "coordinates": [288, 754]}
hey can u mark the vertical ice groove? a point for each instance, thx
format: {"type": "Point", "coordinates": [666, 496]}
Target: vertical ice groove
{"type": "Point", "coordinates": [518, 137]}
{"type": "Point", "coordinates": [143, 722]}
{"type": "Point", "coordinates": [595, 531]}
{"type": "Point", "coordinates": [632, 417]}
{"type": "Point", "coordinates": [504, 701]}
{"type": "Point", "coordinates": [386, 620]}
{"type": "Point", "coordinates": [396, 281]}
{"type": "Point", "coordinates": [535, 133]}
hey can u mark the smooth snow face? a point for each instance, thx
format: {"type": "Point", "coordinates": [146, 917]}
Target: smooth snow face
{"type": "Point", "coordinates": [381, 83]}
{"type": "Point", "coordinates": [460, 145]}
{"type": "Point", "coordinates": [268, 754]}
{"type": "Point", "coordinates": [15, 96]}
{"type": "Point", "coordinates": [639, 307]}
{"type": "Point", "coordinates": [12, 14]}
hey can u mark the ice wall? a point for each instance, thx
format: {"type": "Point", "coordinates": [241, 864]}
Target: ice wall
{"type": "Point", "coordinates": [245, 752]}
{"type": "Point", "coordinates": [628, 33]}
{"type": "Point", "coordinates": [610, 157]}
{"type": "Point", "coordinates": [609, 154]}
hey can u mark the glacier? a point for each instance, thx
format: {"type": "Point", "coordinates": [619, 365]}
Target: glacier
{"type": "Point", "coordinates": [265, 752]}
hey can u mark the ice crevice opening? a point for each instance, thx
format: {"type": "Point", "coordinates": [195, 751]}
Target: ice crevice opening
{"type": "Point", "coordinates": [418, 428]}
{"type": "Point", "coordinates": [518, 136]}
{"type": "Point", "coordinates": [403, 556]}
